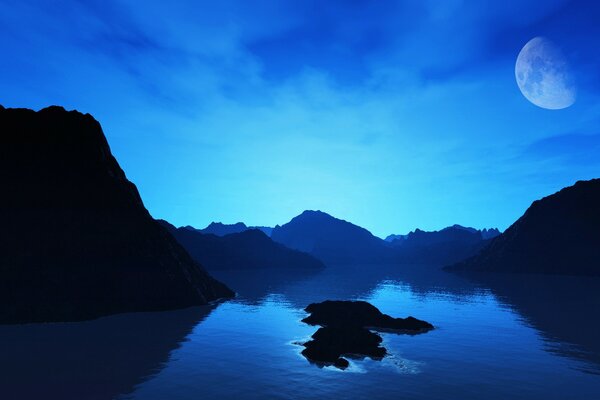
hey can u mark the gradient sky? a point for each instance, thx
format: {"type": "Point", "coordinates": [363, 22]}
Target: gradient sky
{"type": "Point", "coordinates": [390, 114]}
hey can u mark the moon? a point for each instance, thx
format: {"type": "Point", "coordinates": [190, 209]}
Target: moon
{"type": "Point", "coordinates": [543, 75]}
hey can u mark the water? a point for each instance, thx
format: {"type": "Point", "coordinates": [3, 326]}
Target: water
{"type": "Point", "coordinates": [495, 338]}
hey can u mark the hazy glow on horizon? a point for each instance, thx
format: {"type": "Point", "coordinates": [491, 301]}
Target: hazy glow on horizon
{"type": "Point", "coordinates": [391, 114]}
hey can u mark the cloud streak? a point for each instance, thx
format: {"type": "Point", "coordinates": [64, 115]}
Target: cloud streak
{"type": "Point", "coordinates": [379, 112]}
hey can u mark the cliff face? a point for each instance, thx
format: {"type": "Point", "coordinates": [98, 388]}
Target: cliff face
{"type": "Point", "coordinates": [559, 234]}
{"type": "Point", "coordinates": [76, 240]}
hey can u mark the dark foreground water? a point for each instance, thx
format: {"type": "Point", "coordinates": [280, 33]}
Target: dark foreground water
{"type": "Point", "coordinates": [516, 337]}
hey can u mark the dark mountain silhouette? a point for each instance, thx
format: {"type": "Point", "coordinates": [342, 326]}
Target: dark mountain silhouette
{"type": "Point", "coordinates": [449, 245]}
{"type": "Point", "coordinates": [337, 241]}
{"type": "Point", "coordinates": [267, 230]}
{"type": "Point", "coordinates": [559, 234]}
{"type": "Point", "coordinates": [452, 233]}
{"type": "Point", "coordinates": [220, 229]}
{"type": "Point", "coordinates": [250, 249]}
{"type": "Point", "coordinates": [490, 233]}
{"type": "Point", "coordinates": [76, 240]}
{"type": "Point", "coordinates": [391, 238]}
{"type": "Point", "coordinates": [332, 240]}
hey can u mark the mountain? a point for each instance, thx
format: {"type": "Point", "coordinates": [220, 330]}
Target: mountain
{"type": "Point", "coordinates": [449, 245]}
{"type": "Point", "coordinates": [337, 241]}
{"type": "Point", "coordinates": [491, 233]}
{"type": "Point", "coordinates": [331, 240]}
{"type": "Point", "coordinates": [267, 230]}
{"type": "Point", "coordinates": [250, 249]}
{"type": "Point", "coordinates": [219, 229]}
{"type": "Point", "coordinates": [559, 234]}
{"type": "Point", "coordinates": [392, 238]}
{"type": "Point", "coordinates": [76, 240]}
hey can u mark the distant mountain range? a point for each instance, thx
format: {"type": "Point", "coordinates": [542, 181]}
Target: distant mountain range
{"type": "Point", "coordinates": [247, 249]}
{"type": "Point", "coordinates": [220, 229]}
{"type": "Point", "coordinates": [332, 240]}
{"type": "Point", "coordinates": [448, 245]}
{"type": "Point", "coordinates": [76, 240]}
{"type": "Point", "coordinates": [336, 241]}
{"type": "Point", "coordinates": [559, 234]}
{"type": "Point", "coordinates": [450, 233]}
{"type": "Point", "coordinates": [78, 243]}
{"type": "Point", "coordinates": [391, 238]}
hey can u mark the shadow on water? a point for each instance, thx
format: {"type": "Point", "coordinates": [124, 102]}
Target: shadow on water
{"type": "Point", "coordinates": [97, 359]}
{"type": "Point", "coordinates": [564, 309]}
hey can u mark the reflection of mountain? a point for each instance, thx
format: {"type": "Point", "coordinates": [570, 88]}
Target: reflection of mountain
{"type": "Point", "coordinates": [249, 249]}
{"type": "Point", "coordinates": [97, 359]}
{"type": "Point", "coordinates": [332, 240]}
{"type": "Point", "coordinates": [563, 308]}
{"type": "Point", "coordinates": [558, 234]}
{"type": "Point", "coordinates": [343, 282]}
{"type": "Point", "coordinates": [76, 240]}
{"type": "Point", "coordinates": [253, 286]}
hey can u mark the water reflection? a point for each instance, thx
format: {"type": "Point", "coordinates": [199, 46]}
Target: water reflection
{"type": "Point", "coordinates": [353, 282]}
{"type": "Point", "coordinates": [495, 335]}
{"type": "Point", "coordinates": [96, 359]}
{"type": "Point", "coordinates": [563, 309]}
{"type": "Point", "coordinates": [480, 348]}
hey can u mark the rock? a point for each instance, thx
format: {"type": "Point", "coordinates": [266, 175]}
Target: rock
{"type": "Point", "coordinates": [361, 314]}
{"type": "Point", "coordinates": [346, 330]}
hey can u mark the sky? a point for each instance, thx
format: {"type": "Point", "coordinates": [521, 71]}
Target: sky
{"type": "Point", "coordinates": [394, 115]}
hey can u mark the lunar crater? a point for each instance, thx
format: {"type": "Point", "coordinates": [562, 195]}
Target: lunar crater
{"type": "Point", "coordinates": [543, 75]}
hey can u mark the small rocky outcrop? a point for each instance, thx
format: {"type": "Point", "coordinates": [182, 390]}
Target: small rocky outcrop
{"type": "Point", "coordinates": [346, 329]}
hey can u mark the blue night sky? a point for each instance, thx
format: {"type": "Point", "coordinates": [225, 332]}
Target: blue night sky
{"type": "Point", "coordinates": [390, 114]}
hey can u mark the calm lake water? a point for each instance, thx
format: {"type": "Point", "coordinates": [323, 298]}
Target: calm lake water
{"type": "Point", "coordinates": [517, 337]}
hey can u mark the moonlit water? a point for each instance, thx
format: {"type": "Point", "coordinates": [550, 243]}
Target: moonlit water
{"type": "Point", "coordinates": [493, 340]}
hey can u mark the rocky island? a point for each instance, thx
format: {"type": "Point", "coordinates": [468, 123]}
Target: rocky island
{"type": "Point", "coordinates": [346, 329]}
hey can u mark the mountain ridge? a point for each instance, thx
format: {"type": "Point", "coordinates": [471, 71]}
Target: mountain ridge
{"type": "Point", "coordinates": [77, 241]}
{"type": "Point", "coordinates": [249, 249]}
{"type": "Point", "coordinates": [330, 239]}
{"type": "Point", "coordinates": [557, 234]}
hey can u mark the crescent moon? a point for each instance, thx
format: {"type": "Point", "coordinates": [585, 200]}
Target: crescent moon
{"type": "Point", "coordinates": [543, 75]}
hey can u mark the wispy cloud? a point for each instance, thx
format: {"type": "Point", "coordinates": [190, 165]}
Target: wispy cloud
{"type": "Point", "coordinates": [569, 149]}
{"type": "Point", "coordinates": [365, 109]}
